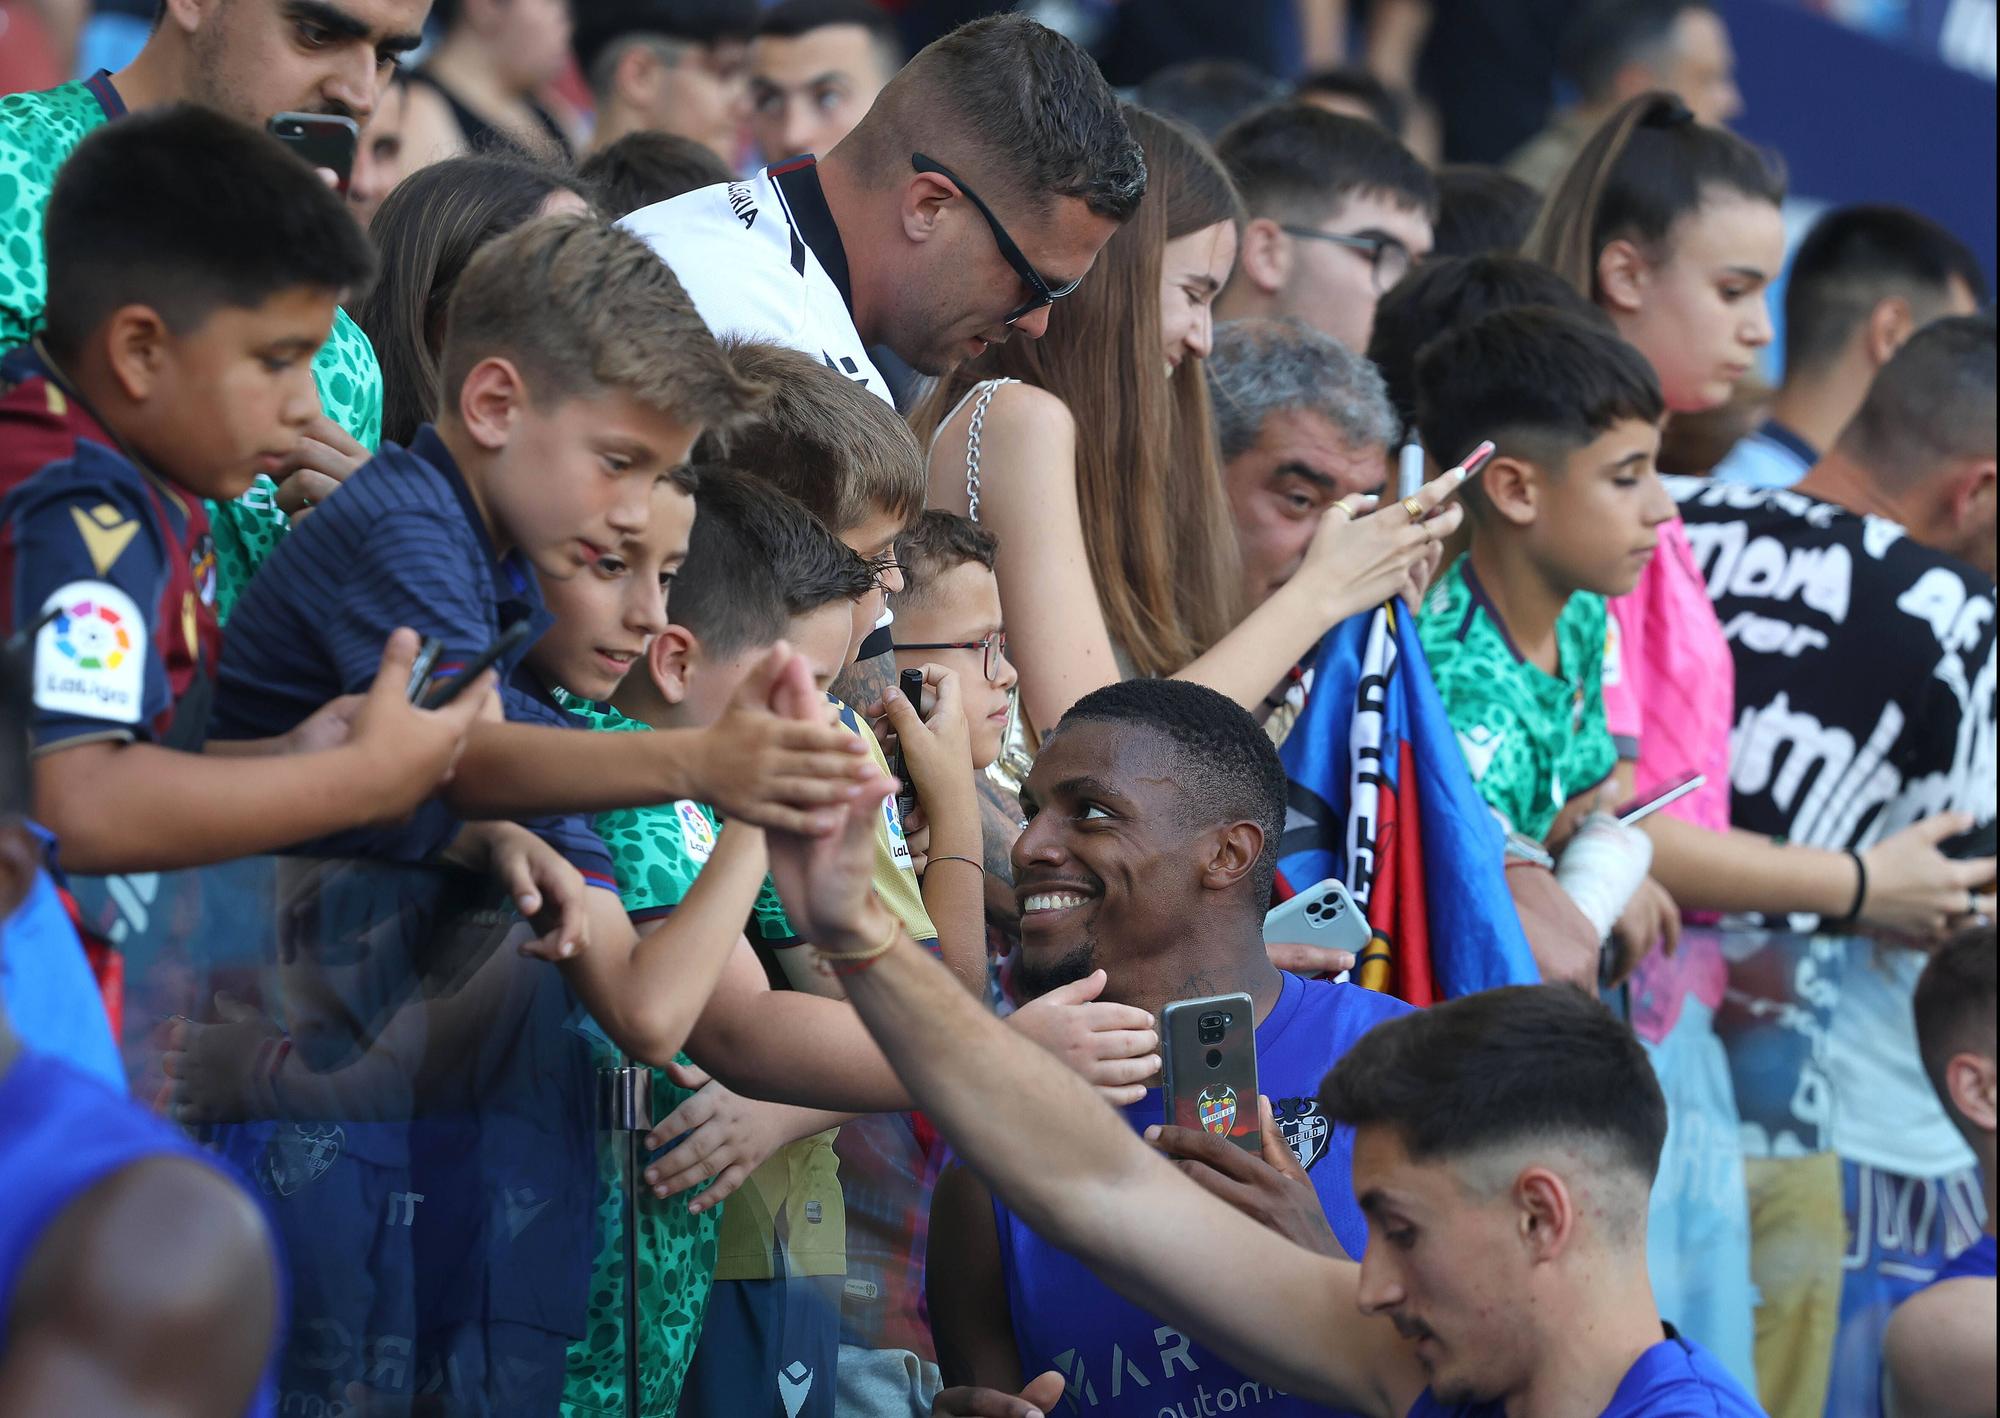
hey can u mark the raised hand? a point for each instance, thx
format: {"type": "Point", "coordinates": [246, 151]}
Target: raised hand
{"type": "Point", "coordinates": [1113, 1046]}
{"type": "Point", "coordinates": [776, 758]}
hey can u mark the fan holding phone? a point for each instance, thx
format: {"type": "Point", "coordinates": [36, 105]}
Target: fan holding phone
{"type": "Point", "coordinates": [1153, 813]}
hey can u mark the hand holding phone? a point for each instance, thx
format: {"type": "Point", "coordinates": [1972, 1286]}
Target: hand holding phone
{"type": "Point", "coordinates": [441, 692]}
{"type": "Point", "coordinates": [910, 683]}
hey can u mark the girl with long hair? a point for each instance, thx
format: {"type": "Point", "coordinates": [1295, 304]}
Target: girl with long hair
{"type": "Point", "coordinates": [1090, 453]}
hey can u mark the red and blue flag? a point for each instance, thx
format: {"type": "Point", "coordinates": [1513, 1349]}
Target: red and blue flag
{"type": "Point", "coordinates": [1381, 799]}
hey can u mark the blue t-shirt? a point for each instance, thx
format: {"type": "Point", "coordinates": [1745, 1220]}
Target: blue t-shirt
{"type": "Point", "coordinates": [1676, 1378]}
{"type": "Point", "coordinates": [47, 989]}
{"type": "Point", "coordinates": [527, 700]}
{"type": "Point", "coordinates": [61, 1133]}
{"type": "Point", "coordinates": [1773, 456]}
{"type": "Point", "coordinates": [403, 544]}
{"type": "Point", "coordinates": [1114, 1352]}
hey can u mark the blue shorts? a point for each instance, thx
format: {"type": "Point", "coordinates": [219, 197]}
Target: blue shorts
{"type": "Point", "coordinates": [768, 1349]}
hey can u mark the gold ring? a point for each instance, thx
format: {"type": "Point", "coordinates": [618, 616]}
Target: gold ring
{"type": "Point", "coordinates": [1343, 509]}
{"type": "Point", "coordinates": [1414, 508]}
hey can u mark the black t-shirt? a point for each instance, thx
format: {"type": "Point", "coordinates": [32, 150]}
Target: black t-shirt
{"type": "Point", "coordinates": [1864, 666]}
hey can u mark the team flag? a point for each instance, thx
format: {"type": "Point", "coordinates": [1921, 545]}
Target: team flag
{"type": "Point", "coordinates": [1381, 799]}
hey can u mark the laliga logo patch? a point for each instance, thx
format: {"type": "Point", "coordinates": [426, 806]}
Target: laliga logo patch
{"type": "Point", "coordinates": [697, 832]}
{"type": "Point", "coordinates": [899, 845]}
{"type": "Point", "coordinates": [1216, 1107]}
{"type": "Point", "coordinates": [1305, 1129]}
{"type": "Point", "coordinates": [90, 660]}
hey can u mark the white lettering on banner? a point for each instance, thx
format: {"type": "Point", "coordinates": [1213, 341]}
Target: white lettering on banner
{"type": "Point", "coordinates": [1365, 774]}
{"type": "Point", "coordinates": [91, 659]}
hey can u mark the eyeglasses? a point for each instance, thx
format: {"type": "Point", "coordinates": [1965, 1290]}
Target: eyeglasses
{"type": "Point", "coordinates": [1043, 294]}
{"type": "Point", "coordinates": [1388, 259]}
{"type": "Point", "coordinates": [994, 646]}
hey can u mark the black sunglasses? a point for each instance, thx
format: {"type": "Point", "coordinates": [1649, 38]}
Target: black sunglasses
{"type": "Point", "coordinates": [1043, 294]}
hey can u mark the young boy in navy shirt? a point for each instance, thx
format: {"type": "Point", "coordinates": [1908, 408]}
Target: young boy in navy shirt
{"type": "Point", "coordinates": [176, 363]}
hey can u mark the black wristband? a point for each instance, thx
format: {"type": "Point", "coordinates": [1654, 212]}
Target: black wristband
{"type": "Point", "coordinates": [1860, 891]}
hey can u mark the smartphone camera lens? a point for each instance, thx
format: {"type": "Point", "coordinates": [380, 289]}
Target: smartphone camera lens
{"type": "Point", "coordinates": [1209, 1028]}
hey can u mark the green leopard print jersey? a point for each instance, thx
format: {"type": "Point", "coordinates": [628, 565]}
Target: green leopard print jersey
{"type": "Point", "coordinates": [37, 132]}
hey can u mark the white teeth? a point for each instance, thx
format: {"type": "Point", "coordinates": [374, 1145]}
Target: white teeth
{"type": "Point", "coordinates": [1053, 901]}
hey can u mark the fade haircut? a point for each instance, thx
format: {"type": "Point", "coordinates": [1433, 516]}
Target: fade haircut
{"type": "Point", "coordinates": [1481, 210]}
{"type": "Point", "coordinates": [1610, 34]}
{"type": "Point", "coordinates": [1854, 258]}
{"type": "Point", "coordinates": [1541, 384]}
{"type": "Point", "coordinates": [935, 543]}
{"type": "Point", "coordinates": [1226, 768]}
{"type": "Point", "coordinates": [608, 30]}
{"type": "Point", "coordinates": [581, 306]}
{"type": "Point", "coordinates": [649, 166]}
{"type": "Point", "coordinates": [1351, 81]}
{"type": "Point", "coordinates": [824, 439]}
{"type": "Point", "coordinates": [1021, 110]}
{"type": "Point", "coordinates": [1208, 94]}
{"type": "Point", "coordinates": [124, 226]}
{"type": "Point", "coordinates": [756, 559]}
{"type": "Point", "coordinates": [1296, 162]}
{"type": "Point", "coordinates": [1450, 293]}
{"type": "Point", "coordinates": [1526, 1064]}
{"type": "Point", "coordinates": [1932, 404]}
{"type": "Point", "coordinates": [789, 19]}
{"type": "Point", "coordinates": [1263, 367]}
{"type": "Point", "coordinates": [1955, 1008]}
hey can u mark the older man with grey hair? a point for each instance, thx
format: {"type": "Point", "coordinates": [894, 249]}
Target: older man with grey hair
{"type": "Point", "coordinates": [1304, 422]}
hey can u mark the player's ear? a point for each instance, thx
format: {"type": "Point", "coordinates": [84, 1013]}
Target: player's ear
{"type": "Point", "coordinates": [1545, 1212]}
{"type": "Point", "coordinates": [1234, 851]}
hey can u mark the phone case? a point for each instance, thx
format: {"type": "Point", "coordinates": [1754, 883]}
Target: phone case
{"type": "Point", "coordinates": [1209, 1063]}
{"type": "Point", "coordinates": [325, 140]}
{"type": "Point", "coordinates": [1321, 915]}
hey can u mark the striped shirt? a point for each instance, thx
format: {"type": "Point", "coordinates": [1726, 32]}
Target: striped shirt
{"type": "Point", "coordinates": [403, 544]}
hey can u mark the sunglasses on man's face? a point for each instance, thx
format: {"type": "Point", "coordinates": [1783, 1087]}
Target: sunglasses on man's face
{"type": "Point", "coordinates": [1040, 292]}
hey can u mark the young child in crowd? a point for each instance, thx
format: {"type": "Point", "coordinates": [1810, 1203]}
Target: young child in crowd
{"type": "Point", "coordinates": [1563, 515]}
{"type": "Point", "coordinates": [174, 364]}
{"type": "Point", "coordinates": [581, 376]}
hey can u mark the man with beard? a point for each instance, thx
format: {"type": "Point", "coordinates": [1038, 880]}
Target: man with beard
{"type": "Point", "coordinates": [1153, 812]}
{"type": "Point", "coordinates": [1504, 1146]}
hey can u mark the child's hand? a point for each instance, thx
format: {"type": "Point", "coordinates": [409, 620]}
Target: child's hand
{"type": "Point", "coordinates": [937, 755]}
{"type": "Point", "coordinates": [410, 752]}
{"type": "Point", "coordinates": [776, 758]}
{"type": "Point", "coordinates": [325, 457]}
{"type": "Point", "coordinates": [1649, 916]}
{"type": "Point", "coordinates": [723, 1136]}
{"type": "Point", "coordinates": [547, 889]}
{"type": "Point", "coordinates": [221, 1072]}
{"type": "Point", "coordinates": [1114, 1047]}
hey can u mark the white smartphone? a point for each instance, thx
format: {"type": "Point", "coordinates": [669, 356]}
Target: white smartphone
{"type": "Point", "coordinates": [1324, 914]}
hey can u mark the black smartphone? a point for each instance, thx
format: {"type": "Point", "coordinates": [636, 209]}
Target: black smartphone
{"type": "Point", "coordinates": [911, 684]}
{"type": "Point", "coordinates": [1968, 846]}
{"type": "Point", "coordinates": [1208, 1055]}
{"type": "Point", "coordinates": [323, 139]}
{"type": "Point", "coordinates": [511, 639]}
{"type": "Point", "coordinates": [421, 667]}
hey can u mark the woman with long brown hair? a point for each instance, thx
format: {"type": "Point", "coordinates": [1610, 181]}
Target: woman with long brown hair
{"type": "Point", "coordinates": [1090, 453]}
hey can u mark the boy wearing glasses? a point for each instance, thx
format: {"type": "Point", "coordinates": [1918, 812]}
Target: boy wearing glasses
{"type": "Point", "coordinates": [948, 614]}
{"type": "Point", "coordinates": [1339, 213]}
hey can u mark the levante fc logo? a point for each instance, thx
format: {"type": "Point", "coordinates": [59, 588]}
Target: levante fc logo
{"type": "Point", "coordinates": [1216, 1107]}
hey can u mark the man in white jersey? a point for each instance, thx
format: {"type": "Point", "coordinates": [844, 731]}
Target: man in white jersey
{"type": "Point", "coordinates": [977, 191]}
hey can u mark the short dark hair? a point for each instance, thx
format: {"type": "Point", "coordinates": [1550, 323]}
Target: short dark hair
{"type": "Point", "coordinates": [756, 558]}
{"type": "Point", "coordinates": [1955, 1007]}
{"type": "Point", "coordinates": [605, 25]}
{"type": "Point", "coordinates": [1932, 403]}
{"type": "Point", "coordinates": [1027, 107]}
{"type": "Point", "coordinates": [1481, 210]}
{"type": "Point", "coordinates": [1606, 36]}
{"type": "Point", "coordinates": [1452, 293]}
{"type": "Point", "coordinates": [934, 544]}
{"type": "Point", "coordinates": [788, 19]}
{"type": "Point", "coordinates": [822, 438]}
{"type": "Point", "coordinates": [1208, 94]}
{"type": "Point", "coordinates": [1295, 162]}
{"type": "Point", "coordinates": [1384, 104]}
{"type": "Point", "coordinates": [1856, 256]}
{"type": "Point", "coordinates": [1502, 1067]}
{"type": "Point", "coordinates": [1228, 769]}
{"type": "Point", "coordinates": [649, 166]}
{"type": "Point", "coordinates": [186, 211]}
{"type": "Point", "coordinates": [1538, 382]}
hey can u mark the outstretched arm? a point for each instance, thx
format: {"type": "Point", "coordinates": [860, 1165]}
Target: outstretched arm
{"type": "Point", "coordinates": [1090, 1185]}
